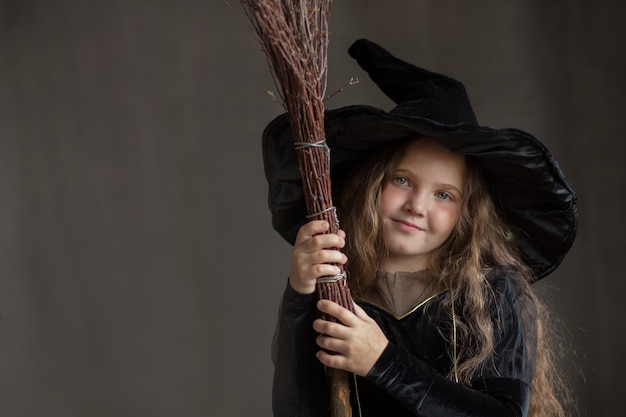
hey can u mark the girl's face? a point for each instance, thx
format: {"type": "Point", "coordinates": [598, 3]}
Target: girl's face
{"type": "Point", "coordinates": [420, 204]}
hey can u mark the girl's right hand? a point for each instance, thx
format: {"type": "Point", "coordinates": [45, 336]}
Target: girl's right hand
{"type": "Point", "coordinates": [313, 255]}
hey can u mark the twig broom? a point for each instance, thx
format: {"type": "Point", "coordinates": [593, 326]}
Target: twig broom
{"type": "Point", "coordinates": [294, 38]}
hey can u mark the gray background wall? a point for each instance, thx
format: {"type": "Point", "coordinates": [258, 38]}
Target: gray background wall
{"type": "Point", "coordinates": [139, 274]}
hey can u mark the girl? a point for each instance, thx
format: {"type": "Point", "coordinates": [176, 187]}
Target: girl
{"type": "Point", "coordinates": [447, 225]}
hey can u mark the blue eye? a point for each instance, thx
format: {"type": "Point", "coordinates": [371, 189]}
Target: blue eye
{"type": "Point", "coordinates": [401, 180]}
{"type": "Point", "coordinates": [443, 195]}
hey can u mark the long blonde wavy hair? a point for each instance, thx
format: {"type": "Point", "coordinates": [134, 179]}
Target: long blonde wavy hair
{"type": "Point", "coordinates": [480, 241]}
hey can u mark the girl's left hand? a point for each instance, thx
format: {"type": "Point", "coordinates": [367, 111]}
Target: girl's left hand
{"type": "Point", "coordinates": [356, 339]}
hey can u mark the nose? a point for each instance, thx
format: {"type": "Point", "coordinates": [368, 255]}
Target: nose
{"type": "Point", "coordinates": [415, 204]}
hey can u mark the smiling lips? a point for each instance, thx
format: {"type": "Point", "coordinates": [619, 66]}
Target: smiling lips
{"type": "Point", "coordinates": [407, 226]}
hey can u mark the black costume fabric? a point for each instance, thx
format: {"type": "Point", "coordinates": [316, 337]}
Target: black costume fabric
{"type": "Point", "coordinates": [409, 378]}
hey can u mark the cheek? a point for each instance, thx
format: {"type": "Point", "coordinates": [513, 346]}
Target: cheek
{"type": "Point", "coordinates": [388, 200]}
{"type": "Point", "coordinates": [445, 219]}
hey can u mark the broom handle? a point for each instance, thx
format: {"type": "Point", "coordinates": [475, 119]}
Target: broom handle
{"type": "Point", "coordinates": [340, 393]}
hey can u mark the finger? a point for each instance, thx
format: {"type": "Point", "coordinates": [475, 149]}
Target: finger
{"type": "Point", "coordinates": [324, 270]}
{"type": "Point", "coordinates": [327, 241]}
{"type": "Point", "coordinates": [316, 243]}
{"type": "Point", "coordinates": [318, 229]}
{"type": "Point", "coordinates": [360, 313]}
{"type": "Point", "coordinates": [330, 344]}
{"type": "Point", "coordinates": [329, 328]}
{"type": "Point", "coordinates": [333, 309]}
{"type": "Point", "coordinates": [332, 360]}
{"type": "Point", "coordinates": [341, 234]}
{"type": "Point", "coordinates": [310, 229]}
{"type": "Point", "coordinates": [329, 256]}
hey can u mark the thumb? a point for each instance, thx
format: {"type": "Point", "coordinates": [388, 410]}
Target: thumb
{"type": "Point", "coordinates": [359, 312]}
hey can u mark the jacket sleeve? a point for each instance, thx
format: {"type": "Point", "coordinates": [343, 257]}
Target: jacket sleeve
{"type": "Point", "coordinates": [501, 388]}
{"type": "Point", "coordinates": [300, 386]}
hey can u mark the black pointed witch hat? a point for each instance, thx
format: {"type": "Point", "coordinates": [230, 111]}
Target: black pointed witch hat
{"type": "Point", "coordinates": [525, 181]}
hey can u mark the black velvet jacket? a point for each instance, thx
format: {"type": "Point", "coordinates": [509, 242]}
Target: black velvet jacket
{"type": "Point", "coordinates": [409, 377]}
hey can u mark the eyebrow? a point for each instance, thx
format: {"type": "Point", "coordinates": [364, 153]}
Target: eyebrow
{"type": "Point", "coordinates": [448, 187]}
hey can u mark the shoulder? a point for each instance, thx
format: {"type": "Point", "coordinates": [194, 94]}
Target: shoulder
{"type": "Point", "coordinates": [506, 294]}
{"type": "Point", "coordinates": [506, 281]}
{"type": "Point", "coordinates": [511, 299]}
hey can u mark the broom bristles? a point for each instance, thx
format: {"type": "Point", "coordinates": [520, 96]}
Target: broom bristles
{"type": "Point", "coordinates": [294, 38]}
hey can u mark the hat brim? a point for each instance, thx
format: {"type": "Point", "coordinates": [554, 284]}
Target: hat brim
{"type": "Point", "coordinates": [525, 181]}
